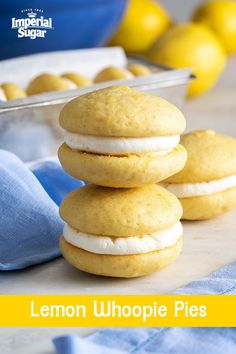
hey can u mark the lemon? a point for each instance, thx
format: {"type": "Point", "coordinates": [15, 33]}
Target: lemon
{"type": "Point", "coordinates": [194, 46]}
{"type": "Point", "coordinates": [143, 22]}
{"type": "Point", "coordinates": [220, 16]}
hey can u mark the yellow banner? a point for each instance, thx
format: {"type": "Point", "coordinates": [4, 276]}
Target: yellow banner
{"type": "Point", "coordinates": [117, 310]}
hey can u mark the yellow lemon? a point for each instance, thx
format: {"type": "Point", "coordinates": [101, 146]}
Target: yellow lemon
{"type": "Point", "coordinates": [194, 46]}
{"type": "Point", "coordinates": [143, 22]}
{"type": "Point", "coordinates": [220, 16]}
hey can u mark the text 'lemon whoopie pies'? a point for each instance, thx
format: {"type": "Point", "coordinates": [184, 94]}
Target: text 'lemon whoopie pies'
{"type": "Point", "coordinates": [206, 187]}
{"type": "Point", "coordinates": [122, 138]}
{"type": "Point", "coordinates": [121, 232]}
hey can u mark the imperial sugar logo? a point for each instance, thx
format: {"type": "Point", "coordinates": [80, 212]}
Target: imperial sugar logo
{"type": "Point", "coordinates": [33, 24]}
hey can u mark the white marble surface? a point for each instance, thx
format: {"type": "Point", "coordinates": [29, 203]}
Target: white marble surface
{"type": "Point", "coordinates": [208, 245]}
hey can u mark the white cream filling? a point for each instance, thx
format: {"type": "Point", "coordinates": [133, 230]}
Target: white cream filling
{"type": "Point", "coordinates": [121, 146]}
{"type": "Point", "coordinates": [2, 95]}
{"type": "Point", "coordinates": [187, 190]}
{"type": "Point", "coordinates": [123, 245]}
{"type": "Point", "coordinates": [70, 83]}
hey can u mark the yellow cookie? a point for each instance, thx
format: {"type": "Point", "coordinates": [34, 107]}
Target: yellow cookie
{"type": "Point", "coordinates": [129, 266]}
{"type": "Point", "coordinates": [121, 232]}
{"type": "Point", "coordinates": [121, 171]}
{"type": "Point", "coordinates": [49, 82]}
{"type": "Point", "coordinates": [112, 73]}
{"type": "Point", "coordinates": [139, 69]}
{"type": "Point", "coordinates": [206, 187]}
{"type": "Point", "coordinates": [78, 79]}
{"type": "Point", "coordinates": [11, 91]}
{"type": "Point", "coordinates": [120, 137]}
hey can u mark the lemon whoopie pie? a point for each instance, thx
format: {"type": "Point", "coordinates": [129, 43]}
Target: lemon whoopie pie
{"type": "Point", "coordinates": [139, 69]}
{"type": "Point", "coordinates": [112, 73]}
{"type": "Point", "coordinates": [121, 232]}
{"type": "Point", "coordinates": [206, 187]}
{"type": "Point", "coordinates": [49, 82]}
{"type": "Point", "coordinates": [77, 79]}
{"type": "Point", "coordinates": [122, 138]}
{"type": "Point", "coordinates": [11, 91]}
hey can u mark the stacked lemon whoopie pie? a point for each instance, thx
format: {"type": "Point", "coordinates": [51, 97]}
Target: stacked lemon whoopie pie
{"type": "Point", "coordinates": [123, 142]}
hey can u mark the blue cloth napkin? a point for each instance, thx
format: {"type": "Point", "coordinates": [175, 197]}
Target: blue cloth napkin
{"type": "Point", "coordinates": [76, 345]}
{"type": "Point", "coordinates": [29, 219]}
{"type": "Point", "coordinates": [164, 340]}
{"type": "Point", "coordinates": [56, 182]}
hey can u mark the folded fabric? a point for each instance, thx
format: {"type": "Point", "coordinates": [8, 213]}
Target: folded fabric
{"type": "Point", "coordinates": [164, 340]}
{"type": "Point", "coordinates": [76, 345]}
{"type": "Point", "coordinates": [29, 219]}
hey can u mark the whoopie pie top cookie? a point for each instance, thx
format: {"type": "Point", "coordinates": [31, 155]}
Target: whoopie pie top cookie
{"type": "Point", "coordinates": [120, 212]}
{"type": "Point", "coordinates": [139, 69]}
{"type": "Point", "coordinates": [49, 82]}
{"type": "Point", "coordinates": [211, 156]}
{"type": "Point", "coordinates": [77, 79]}
{"type": "Point", "coordinates": [113, 73]}
{"type": "Point", "coordinates": [120, 111]}
{"type": "Point", "coordinates": [11, 91]}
